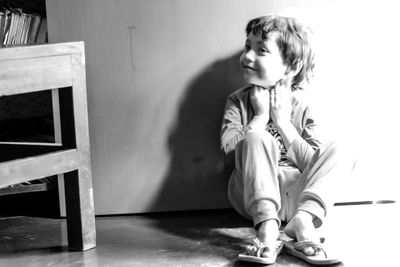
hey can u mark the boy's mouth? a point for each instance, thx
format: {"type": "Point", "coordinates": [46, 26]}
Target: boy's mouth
{"type": "Point", "coordinates": [248, 67]}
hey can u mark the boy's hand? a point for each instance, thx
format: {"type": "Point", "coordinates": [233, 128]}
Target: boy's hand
{"type": "Point", "coordinates": [281, 103]}
{"type": "Point", "coordinates": [260, 101]}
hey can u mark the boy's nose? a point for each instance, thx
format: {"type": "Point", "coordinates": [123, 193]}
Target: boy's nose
{"type": "Point", "coordinates": [249, 55]}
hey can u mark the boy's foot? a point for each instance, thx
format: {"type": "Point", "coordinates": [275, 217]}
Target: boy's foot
{"type": "Point", "coordinates": [265, 247]}
{"type": "Point", "coordinates": [259, 256]}
{"type": "Point", "coordinates": [268, 234]}
{"type": "Point", "coordinates": [306, 244]}
{"type": "Point", "coordinates": [301, 228]}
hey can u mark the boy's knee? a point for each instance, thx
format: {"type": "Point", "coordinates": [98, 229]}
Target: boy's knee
{"type": "Point", "coordinates": [339, 150]}
{"type": "Point", "coordinates": [256, 141]}
{"type": "Point", "coordinates": [331, 147]}
{"type": "Point", "coordinates": [335, 147]}
{"type": "Point", "coordinates": [258, 138]}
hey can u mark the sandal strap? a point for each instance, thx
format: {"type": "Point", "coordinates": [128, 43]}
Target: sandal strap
{"type": "Point", "coordinates": [301, 245]}
{"type": "Point", "coordinates": [261, 246]}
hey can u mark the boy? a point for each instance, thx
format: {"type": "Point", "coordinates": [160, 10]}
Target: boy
{"type": "Point", "coordinates": [282, 172]}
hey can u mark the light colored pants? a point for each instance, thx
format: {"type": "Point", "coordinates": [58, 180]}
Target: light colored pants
{"type": "Point", "coordinates": [259, 189]}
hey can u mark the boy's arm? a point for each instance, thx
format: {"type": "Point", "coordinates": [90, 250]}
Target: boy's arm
{"type": "Point", "coordinates": [300, 146]}
{"type": "Point", "coordinates": [281, 113]}
{"type": "Point", "coordinates": [235, 127]}
{"type": "Point", "coordinates": [232, 130]}
{"type": "Point", "coordinates": [300, 149]}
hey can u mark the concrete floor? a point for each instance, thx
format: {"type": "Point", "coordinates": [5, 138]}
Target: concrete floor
{"type": "Point", "coordinates": [363, 236]}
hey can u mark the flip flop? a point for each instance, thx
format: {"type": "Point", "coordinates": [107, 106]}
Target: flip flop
{"type": "Point", "coordinates": [296, 249]}
{"type": "Point", "coordinates": [277, 248]}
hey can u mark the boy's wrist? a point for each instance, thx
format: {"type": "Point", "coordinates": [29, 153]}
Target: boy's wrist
{"type": "Point", "coordinates": [259, 122]}
{"type": "Point", "coordinates": [284, 124]}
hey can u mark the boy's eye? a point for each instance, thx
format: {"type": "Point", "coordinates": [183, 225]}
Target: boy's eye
{"type": "Point", "coordinates": [263, 50]}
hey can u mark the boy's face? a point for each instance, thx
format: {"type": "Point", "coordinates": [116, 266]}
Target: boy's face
{"type": "Point", "coordinates": [261, 61]}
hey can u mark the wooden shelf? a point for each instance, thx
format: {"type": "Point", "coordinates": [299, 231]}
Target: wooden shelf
{"type": "Point", "coordinates": [60, 68]}
{"type": "Point", "coordinates": [29, 131]}
{"type": "Point", "coordinates": [28, 188]}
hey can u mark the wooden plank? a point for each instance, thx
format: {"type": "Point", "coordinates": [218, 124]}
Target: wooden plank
{"type": "Point", "coordinates": [78, 184]}
{"type": "Point", "coordinates": [30, 143]}
{"type": "Point", "coordinates": [61, 195]}
{"type": "Point", "coordinates": [58, 139]}
{"type": "Point", "coordinates": [32, 168]}
{"type": "Point", "coordinates": [20, 189]}
{"type": "Point", "coordinates": [35, 74]}
{"type": "Point", "coordinates": [80, 108]}
{"type": "Point", "coordinates": [56, 115]}
{"type": "Point", "coordinates": [80, 210]}
{"type": "Point", "coordinates": [38, 51]}
{"type": "Point", "coordinates": [15, 152]}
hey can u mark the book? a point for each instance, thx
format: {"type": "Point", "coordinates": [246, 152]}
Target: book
{"type": "Point", "coordinates": [2, 20]}
{"type": "Point", "coordinates": [20, 21]}
{"type": "Point", "coordinates": [34, 28]}
{"type": "Point", "coordinates": [41, 37]}
{"type": "Point", "coordinates": [18, 25]}
{"type": "Point", "coordinates": [7, 22]}
{"type": "Point", "coordinates": [13, 28]}
{"type": "Point", "coordinates": [19, 28]}
{"type": "Point", "coordinates": [25, 30]}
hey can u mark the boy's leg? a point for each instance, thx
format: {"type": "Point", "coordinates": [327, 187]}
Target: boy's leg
{"type": "Point", "coordinates": [254, 186]}
{"type": "Point", "coordinates": [312, 196]}
{"type": "Point", "coordinates": [315, 190]}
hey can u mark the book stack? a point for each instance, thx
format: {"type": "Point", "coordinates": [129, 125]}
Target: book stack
{"type": "Point", "coordinates": [19, 28]}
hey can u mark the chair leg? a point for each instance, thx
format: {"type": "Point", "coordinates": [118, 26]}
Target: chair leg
{"type": "Point", "coordinates": [80, 210]}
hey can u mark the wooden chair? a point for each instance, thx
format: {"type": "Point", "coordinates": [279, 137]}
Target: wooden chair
{"type": "Point", "coordinates": [44, 67]}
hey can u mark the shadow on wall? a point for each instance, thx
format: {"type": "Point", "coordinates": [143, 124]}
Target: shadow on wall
{"type": "Point", "coordinates": [196, 178]}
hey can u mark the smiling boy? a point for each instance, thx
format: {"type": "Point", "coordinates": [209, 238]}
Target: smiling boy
{"type": "Point", "coordinates": [282, 171]}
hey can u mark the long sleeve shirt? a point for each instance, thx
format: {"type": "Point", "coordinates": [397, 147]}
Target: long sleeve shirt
{"type": "Point", "coordinates": [238, 114]}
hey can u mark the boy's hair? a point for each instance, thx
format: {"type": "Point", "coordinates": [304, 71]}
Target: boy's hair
{"type": "Point", "coordinates": [293, 41]}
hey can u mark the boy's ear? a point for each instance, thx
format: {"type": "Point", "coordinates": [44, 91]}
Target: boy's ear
{"type": "Point", "coordinates": [294, 69]}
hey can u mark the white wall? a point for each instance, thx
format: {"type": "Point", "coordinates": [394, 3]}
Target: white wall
{"type": "Point", "coordinates": [159, 71]}
{"type": "Point", "coordinates": [356, 86]}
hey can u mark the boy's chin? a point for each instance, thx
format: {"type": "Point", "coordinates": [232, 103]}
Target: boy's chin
{"type": "Point", "coordinates": [265, 85]}
{"type": "Point", "coordinates": [258, 82]}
